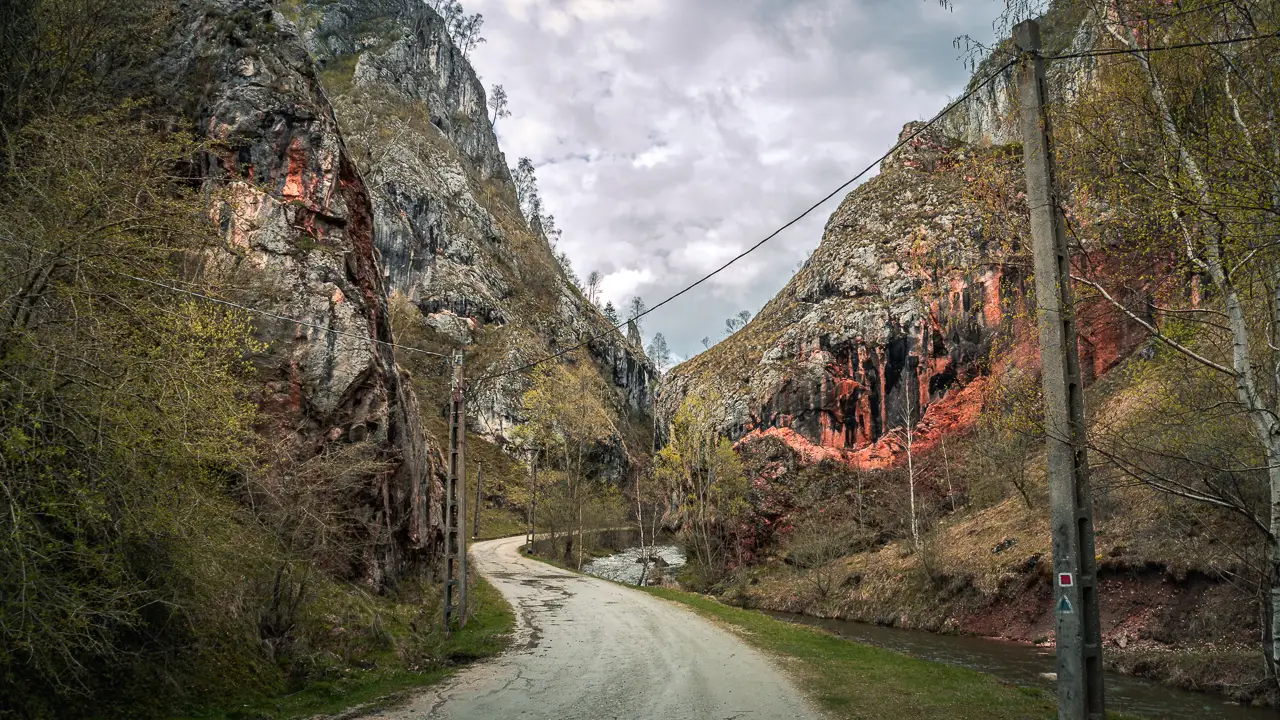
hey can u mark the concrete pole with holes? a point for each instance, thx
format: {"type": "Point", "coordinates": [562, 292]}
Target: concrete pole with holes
{"type": "Point", "coordinates": [533, 500]}
{"type": "Point", "coordinates": [1075, 598]}
{"type": "Point", "coordinates": [475, 524]}
{"type": "Point", "coordinates": [455, 505]}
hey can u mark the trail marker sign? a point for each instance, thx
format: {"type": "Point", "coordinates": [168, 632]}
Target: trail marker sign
{"type": "Point", "coordinates": [1066, 579]}
{"type": "Point", "coordinates": [1064, 606]}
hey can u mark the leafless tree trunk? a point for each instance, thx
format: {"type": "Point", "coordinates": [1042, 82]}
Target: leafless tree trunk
{"type": "Point", "coordinates": [911, 468]}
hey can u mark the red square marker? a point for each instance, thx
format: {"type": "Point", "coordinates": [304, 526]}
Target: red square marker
{"type": "Point", "coordinates": [1065, 580]}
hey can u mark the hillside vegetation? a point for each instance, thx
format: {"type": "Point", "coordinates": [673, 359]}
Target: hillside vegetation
{"type": "Point", "coordinates": [203, 507]}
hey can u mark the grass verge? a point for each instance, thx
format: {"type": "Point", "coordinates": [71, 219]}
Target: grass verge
{"type": "Point", "coordinates": [849, 680]}
{"type": "Point", "coordinates": [388, 677]}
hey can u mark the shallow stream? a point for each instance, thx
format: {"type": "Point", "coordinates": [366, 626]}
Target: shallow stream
{"type": "Point", "coordinates": [625, 567]}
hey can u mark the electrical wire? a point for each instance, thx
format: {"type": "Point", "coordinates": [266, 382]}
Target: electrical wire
{"type": "Point", "coordinates": [268, 313]}
{"type": "Point", "coordinates": [970, 93]}
{"type": "Point", "coordinates": [1161, 48]}
{"type": "Point", "coordinates": [529, 366]}
{"type": "Point", "coordinates": [246, 308]}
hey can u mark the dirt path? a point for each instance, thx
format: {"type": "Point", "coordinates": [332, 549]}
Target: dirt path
{"type": "Point", "coordinates": [587, 648]}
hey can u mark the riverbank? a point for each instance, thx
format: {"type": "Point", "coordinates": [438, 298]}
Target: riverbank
{"type": "Point", "coordinates": [985, 573]}
{"type": "Point", "coordinates": [403, 655]}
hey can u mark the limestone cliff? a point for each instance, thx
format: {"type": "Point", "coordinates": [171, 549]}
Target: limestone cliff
{"type": "Point", "coordinates": [891, 314]}
{"type": "Point", "coordinates": [989, 117]}
{"type": "Point", "coordinates": [299, 229]}
{"type": "Point", "coordinates": [445, 216]}
{"type": "Point", "coordinates": [894, 318]}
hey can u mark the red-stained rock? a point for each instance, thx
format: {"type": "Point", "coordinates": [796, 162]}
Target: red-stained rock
{"type": "Point", "coordinates": [299, 232]}
{"type": "Point", "coordinates": [896, 317]}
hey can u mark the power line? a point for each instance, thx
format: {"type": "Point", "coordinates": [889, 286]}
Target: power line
{"type": "Point", "coordinates": [268, 313]}
{"type": "Point", "coordinates": [528, 366]}
{"type": "Point", "coordinates": [970, 93]}
{"type": "Point", "coordinates": [246, 308]}
{"type": "Point", "coordinates": [1161, 48]}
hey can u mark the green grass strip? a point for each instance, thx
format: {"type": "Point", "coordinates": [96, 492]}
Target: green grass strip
{"type": "Point", "coordinates": [850, 680]}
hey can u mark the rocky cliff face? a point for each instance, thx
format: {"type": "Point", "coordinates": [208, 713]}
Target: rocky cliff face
{"type": "Point", "coordinates": [893, 319]}
{"type": "Point", "coordinates": [990, 116]}
{"type": "Point", "coordinates": [446, 220]}
{"type": "Point", "coordinates": [854, 345]}
{"type": "Point", "coordinates": [300, 228]}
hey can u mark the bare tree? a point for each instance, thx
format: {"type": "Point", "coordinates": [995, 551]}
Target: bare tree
{"type": "Point", "coordinates": [908, 419]}
{"type": "Point", "coordinates": [635, 309]}
{"type": "Point", "coordinates": [593, 286]}
{"type": "Point", "coordinates": [467, 33]}
{"type": "Point", "coordinates": [737, 322]}
{"type": "Point", "coordinates": [498, 104]}
{"type": "Point", "coordinates": [659, 353]}
{"type": "Point", "coordinates": [815, 548]}
{"type": "Point", "coordinates": [551, 232]}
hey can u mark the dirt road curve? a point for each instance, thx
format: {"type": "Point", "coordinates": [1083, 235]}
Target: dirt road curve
{"type": "Point", "coordinates": [587, 648]}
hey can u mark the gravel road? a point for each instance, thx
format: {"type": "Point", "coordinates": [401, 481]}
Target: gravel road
{"type": "Point", "coordinates": [587, 648]}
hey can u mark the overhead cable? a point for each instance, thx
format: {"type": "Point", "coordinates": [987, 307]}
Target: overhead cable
{"type": "Point", "coordinates": [970, 93]}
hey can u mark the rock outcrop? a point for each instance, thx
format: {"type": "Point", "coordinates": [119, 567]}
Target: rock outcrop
{"type": "Point", "coordinates": [299, 229]}
{"type": "Point", "coordinates": [446, 219]}
{"type": "Point", "coordinates": [989, 117]}
{"type": "Point", "coordinates": [854, 345]}
{"type": "Point", "coordinates": [894, 317]}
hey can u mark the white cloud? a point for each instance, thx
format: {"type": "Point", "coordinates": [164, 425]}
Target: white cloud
{"type": "Point", "coordinates": [672, 135]}
{"type": "Point", "coordinates": [654, 156]}
{"type": "Point", "coordinates": [620, 286]}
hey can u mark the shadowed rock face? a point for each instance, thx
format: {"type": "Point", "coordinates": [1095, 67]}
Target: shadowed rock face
{"type": "Point", "coordinates": [299, 229]}
{"type": "Point", "coordinates": [446, 220]}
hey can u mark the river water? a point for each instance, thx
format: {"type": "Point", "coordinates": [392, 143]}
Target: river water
{"type": "Point", "coordinates": [1012, 662]}
{"type": "Point", "coordinates": [1024, 665]}
{"type": "Point", "coordinates": [625, 567]}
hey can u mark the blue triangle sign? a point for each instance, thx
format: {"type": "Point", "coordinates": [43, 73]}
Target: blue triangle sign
{"type": "Point", "coordinates": [1064, 606]}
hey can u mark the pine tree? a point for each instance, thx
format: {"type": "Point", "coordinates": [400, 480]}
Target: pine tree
{"type": "Point", "coordinates": [611, 314]}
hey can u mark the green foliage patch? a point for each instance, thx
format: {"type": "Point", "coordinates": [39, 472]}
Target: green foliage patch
{"type": "Point", "coordinates": [392, 646]}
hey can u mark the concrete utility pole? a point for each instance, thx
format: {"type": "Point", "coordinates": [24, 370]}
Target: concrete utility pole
{"type": "Point", "coordinates": [475, 524]}
{"type": "Point", "coordinates": [1078, 632]}
{"type": "Point", "coordinates": [455, 505]}
{"type": "Point", "coordinates": [533, 500]}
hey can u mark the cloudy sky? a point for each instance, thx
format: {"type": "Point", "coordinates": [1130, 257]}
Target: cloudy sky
{"type": "Point", "coordinates": [669, 135]}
